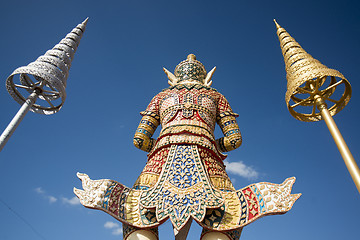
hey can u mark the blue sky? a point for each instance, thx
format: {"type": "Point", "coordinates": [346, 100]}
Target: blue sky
{"type": "Point", "coordinates": [118, 69]}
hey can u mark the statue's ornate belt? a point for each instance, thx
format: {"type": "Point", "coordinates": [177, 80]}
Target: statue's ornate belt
{"type": "Point", "coordinates": [188, 122]}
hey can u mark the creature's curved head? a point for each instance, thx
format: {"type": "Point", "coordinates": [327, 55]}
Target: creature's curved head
{"type": "Point", "coordinates": [190, 71]}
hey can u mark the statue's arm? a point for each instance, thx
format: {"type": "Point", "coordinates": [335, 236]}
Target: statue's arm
{"type": "Point", "coordinates": [232, 136]}
{"type": "Point", "coordinates": [143, 135]}
{"type": "Point", "coordinates": [226, 119]}
{"type": "Point", "coordinates": [149, 122]}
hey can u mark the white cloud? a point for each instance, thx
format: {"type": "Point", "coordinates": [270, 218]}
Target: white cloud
{"type": "Point", "coordinates": [39, 190]}
{"type": "Point", "coordinates": [240, 169]}
{"type": "Point", "coordinates": [116, 229]}
{"type": "Point", "coordinates": [42, 192]}
{"type": "Point", "coordinates": [111, 225]}
{"type": "Point", "coordinates": [72, 201]}
{"type": "Point", "coordinates": [52, 199]}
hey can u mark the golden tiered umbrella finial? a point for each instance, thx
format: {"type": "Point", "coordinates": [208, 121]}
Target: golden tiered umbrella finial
{"type": "Point", "coordinates": [316, 92]}
{"type": "Point", "coordinates": [307, 77]}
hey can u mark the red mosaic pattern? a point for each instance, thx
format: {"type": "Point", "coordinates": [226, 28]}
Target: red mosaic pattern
{"type": "Point", "coordinates": [169, 101]}
{"type": "Point", "coordinates": [114, 199]}
{"type": "Point", "coordinates": [156, 161]}
{"type": "Point", "coordinates": [252, 203]}
{"type": "Point", "coordinates": [223, 104]}
{"type": "Point", "coordinates": [213, 165]}
{"type": "Point", "coordinates": [195, 117]}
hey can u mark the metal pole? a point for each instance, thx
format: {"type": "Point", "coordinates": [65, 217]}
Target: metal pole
{"type": "Point", "coordinates": [18, 118]}
{"type": "Point", "coordinates": [339, 141]}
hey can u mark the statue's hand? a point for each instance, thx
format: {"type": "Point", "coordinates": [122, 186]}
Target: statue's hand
{"type": "Point", "coordinates": [225, 144]}
{"type": "Point", "coordinates": [94, 191]}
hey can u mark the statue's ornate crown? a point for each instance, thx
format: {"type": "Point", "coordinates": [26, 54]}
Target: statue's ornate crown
{"type": "Point", "coordinates": [190, 70]}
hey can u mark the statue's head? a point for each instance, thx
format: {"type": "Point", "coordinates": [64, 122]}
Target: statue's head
{"type": "Point", "coordinates": [190, 71]}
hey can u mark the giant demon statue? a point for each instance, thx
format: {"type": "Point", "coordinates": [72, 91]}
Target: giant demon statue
{"type": "Point", "coordinates": [184, 177]}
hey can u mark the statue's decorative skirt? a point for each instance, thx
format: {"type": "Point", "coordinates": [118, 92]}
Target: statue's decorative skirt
{"type": "Point", "coordinates": [183, 181]}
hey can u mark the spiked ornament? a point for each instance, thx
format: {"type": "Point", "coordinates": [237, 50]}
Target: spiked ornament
{"type": "Point", "coordinates": [48, 75]}
{"type": "Point", "coordinates": [309, 80]}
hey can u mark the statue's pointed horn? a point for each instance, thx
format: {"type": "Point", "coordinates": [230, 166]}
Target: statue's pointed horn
{"type": "Point", "coordinates": [208, 81]}
{"type": "Point", "coordinates": [172, 79]}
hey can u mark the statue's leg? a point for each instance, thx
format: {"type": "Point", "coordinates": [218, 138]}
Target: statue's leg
{"type": "Point", "coordinates": [134, 233]}
{"type": "Point", "coordinates": [216, 235]}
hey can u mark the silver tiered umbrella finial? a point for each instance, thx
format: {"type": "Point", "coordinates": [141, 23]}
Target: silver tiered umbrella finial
{"type": "Point", "coordinates": [44, 79]}
{"type": "Point", "coordinates": [49, 73]}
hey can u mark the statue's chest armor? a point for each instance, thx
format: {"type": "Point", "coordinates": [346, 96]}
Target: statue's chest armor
{"type": "Point", "coordinates": [182, 105]}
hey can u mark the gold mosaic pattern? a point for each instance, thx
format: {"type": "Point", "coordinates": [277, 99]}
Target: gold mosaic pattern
{"type": "Point", "coordinates": [146, 179]}
{"type": "Point", "coordinates": [187, 122]}
{"type": "Point", "coordinates": [144, 132]}
{"type": "Point", "coordinates": [132, 211]}
{"type": "Point", "coordinates": [232, 137]}
{"type": "Point", "coordinates": [216, 171]}
{"type": "Point", "coordinates": [188, 128]}
{"type": "Point", "coordinates": [191, 139]}
{"type": "Point", "coordinates": [222, 183]}
{"type": "Point", "coordinates": [232, 212]}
